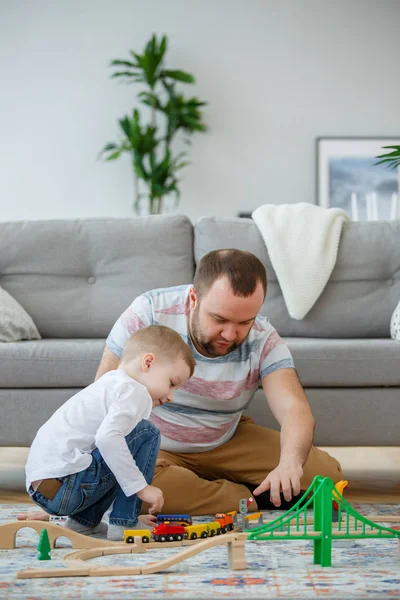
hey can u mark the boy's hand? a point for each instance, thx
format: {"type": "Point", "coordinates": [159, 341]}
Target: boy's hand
{"type": "Point", "coordinates": [148, 520]}
{"type": "Point", "coordinates": [153, 496]}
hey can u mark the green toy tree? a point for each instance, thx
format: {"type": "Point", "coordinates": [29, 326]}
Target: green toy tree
{"type": "Point", "coordinates": [44, 546]}
{"type": "Point", "coordinates": [155, 162]}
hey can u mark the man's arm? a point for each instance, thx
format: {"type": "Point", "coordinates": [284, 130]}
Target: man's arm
{"type": "Point", "coordinates": [109, 362]}
{"type": "Point", "coordinates": [291, 408]}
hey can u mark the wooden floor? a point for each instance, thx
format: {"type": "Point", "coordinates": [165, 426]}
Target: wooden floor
{"type": "Point", "coordinates": [15, 498]}
{"type": "Point", "coordinates": [354, 497]}
{"type": "Point", "coordinates": [373, 474]}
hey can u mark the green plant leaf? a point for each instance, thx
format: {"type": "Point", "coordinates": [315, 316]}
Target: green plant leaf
{"type": "Point", "coordinates": [179, 75]}
{"type": "Point", "coordinates": [125, 126]}
{"type": "Point", "coordinates": [109, 146]}
{"type": "Point", "coordinates": [127, 74]}
{"type": "Point", "coordinates": [123, 63]}
{"type": "Point", "coordinates": [163, 46]}
{"type": "Point", "coordinates": [138, 57]}
{"type": "Point", "coordinates": [115, 155]}
{"type": "Point", "coordinates": [391, 164]}
{"type": "Point", "coordinates": [150, 99]}
{"type": "Point", "coordinates": [195, 102]}
{"type": "Point", "coordinates": [396, 153]}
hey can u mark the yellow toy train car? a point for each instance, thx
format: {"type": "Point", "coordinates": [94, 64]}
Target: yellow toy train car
{"type": "Point", "coordinates": [195, 531]}
{"type": "Point", "coordinates": [129, 535]}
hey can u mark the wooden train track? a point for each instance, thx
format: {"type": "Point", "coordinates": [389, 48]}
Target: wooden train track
{"type": "Point", "coordinates": [8, 533]}
{"type": "Point", "coordinates": [91, 548]}
{"type": "Point", "coordinates": [76, 566]}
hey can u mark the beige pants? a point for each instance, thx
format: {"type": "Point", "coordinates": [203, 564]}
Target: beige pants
{"type": "Point", "coordinates": [208, 482]}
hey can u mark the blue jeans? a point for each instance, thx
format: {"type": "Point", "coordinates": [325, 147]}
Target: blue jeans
{"type": "Point", "coordinates": [86, 496]}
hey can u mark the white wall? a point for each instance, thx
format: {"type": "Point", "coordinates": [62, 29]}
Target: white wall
{"type": "Point", "coordinates": [276, 76]}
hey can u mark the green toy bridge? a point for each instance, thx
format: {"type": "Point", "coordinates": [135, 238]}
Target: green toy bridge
{"type": "Point", "coordinates": [293, 523]}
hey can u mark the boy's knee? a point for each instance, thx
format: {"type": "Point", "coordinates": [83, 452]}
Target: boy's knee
{"type": "Point", "coordinates": [148, 427]}
{"type": "Point", "coordinates": [152, 429]}
{"type": "Point", "coordinates": [145, 429]}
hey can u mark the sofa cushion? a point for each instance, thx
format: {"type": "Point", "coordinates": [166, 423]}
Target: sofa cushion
{"type": "Point", "coordinates": [344, 416]}
{"type": "Point", "coordinates": [320, 363]}
{"type": "Point", "coordinates": [15, 323]}
{"type": "Point", "coordinates": [49, 363]}
{"type": "Point", "coordinates": [75, 278]}
{"type": "Point", "coordinates": [346, 363]}
{"type": "Point", "coordinates": [363, 290]}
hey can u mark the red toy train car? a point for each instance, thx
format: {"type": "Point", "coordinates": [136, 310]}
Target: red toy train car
{"type": "Point", "coordinates": [166, 532]}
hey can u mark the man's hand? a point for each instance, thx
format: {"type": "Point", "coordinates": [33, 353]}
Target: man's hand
{"type": "Point", "coordinates": [285, 478]}
{"type": "Point", "coordinates": [153, 496]}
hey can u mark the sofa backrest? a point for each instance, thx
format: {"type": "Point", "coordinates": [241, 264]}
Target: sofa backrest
{"type": "Point", "coordinates": [363, 290]}
{"type": "Point", "coordinates": [75, 277]}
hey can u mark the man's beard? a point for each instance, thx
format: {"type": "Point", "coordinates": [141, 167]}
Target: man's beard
{"type": "Point", "coordinates": [202, 342]}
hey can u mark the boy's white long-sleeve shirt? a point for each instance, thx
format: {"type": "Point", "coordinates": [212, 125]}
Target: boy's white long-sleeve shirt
{"type": "Point", "coordinates": [101, 415]}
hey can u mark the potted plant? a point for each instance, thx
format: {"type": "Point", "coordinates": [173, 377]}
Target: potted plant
{"type": "Point", "coordinates": [155, 162]}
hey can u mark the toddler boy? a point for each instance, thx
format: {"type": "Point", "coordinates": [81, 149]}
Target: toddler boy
{"type": "Point", "coordinates": [98, 447]}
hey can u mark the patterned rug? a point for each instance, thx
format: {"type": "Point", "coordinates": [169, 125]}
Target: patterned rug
{"type": "Point", "coordinates": [276, 569]}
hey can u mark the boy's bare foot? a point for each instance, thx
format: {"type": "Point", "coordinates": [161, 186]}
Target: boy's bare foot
{"type": "Point", "coordinates": [33, 515]}
{"type": "Point", "coordinates": [40, 515]}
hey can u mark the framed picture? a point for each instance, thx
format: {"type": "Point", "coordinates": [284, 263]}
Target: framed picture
{"type": "Point", "coordinates": [348, 177]}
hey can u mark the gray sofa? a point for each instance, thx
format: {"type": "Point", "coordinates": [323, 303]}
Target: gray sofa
{"type": "Point", "coordinates": [76, 277]}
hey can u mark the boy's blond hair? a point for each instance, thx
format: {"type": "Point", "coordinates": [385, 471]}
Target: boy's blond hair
{"type": "Point", "coordinates": [160, 341]}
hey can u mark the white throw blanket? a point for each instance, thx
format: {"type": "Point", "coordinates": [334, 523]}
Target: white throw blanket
{"type": "Point", "coordinates": [302, 241]}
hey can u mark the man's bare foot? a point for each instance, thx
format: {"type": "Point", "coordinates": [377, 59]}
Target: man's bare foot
{"type": "Point", "coordinates": [33, 515]}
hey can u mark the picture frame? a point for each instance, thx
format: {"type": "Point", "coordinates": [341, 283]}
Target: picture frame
{"type": "Point", "coordinates": [348, 177]}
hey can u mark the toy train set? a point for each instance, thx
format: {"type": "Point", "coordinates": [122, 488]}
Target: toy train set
{"type": "Point", "coordinates": [178, 527]}
{"type": "Point", "coordinates": [175, 528]}
{"type": "Point", "coordinates": [333, 519]}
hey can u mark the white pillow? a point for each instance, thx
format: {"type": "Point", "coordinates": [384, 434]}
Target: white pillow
{"type": "Point", "coordinates": [15, 323]}
{"type": "Point", "coordinates": [395, 324]}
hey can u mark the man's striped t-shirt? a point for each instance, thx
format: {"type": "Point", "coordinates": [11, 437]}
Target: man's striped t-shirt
{"type": "Point", "coordinates": [207, 408]}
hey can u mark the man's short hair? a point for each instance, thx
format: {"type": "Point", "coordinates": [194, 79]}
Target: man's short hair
{"type": "Point", "coordinates": [161, 341]}
{"type": "Point", "coordinates": [243, 270]}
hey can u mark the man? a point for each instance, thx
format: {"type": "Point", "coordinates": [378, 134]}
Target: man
{"type": "Point", "coordinates": [211, 456]}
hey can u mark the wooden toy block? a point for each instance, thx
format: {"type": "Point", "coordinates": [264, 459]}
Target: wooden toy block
{"type": "Point", "coordinates": [140, 547]}
{"type": "Point", "coordinates": [237, 555]}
